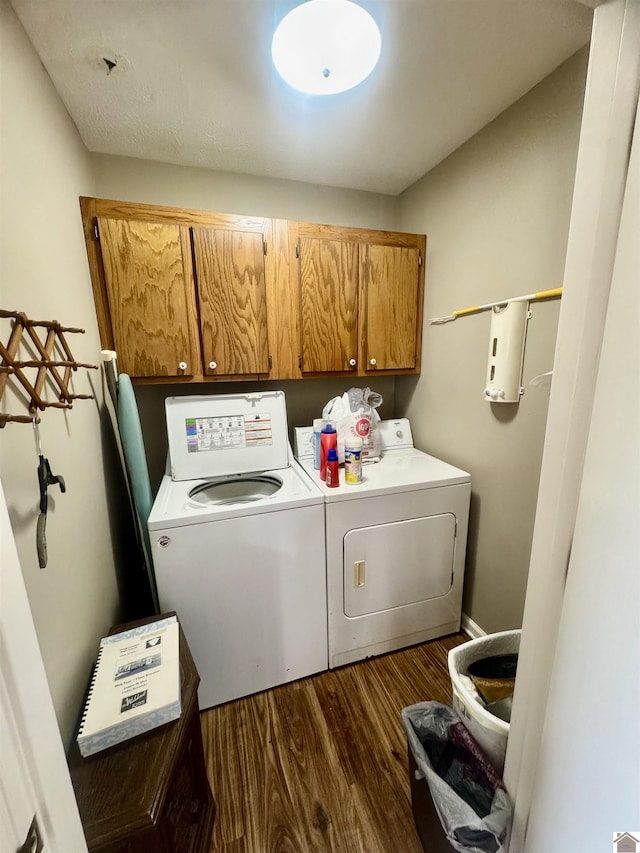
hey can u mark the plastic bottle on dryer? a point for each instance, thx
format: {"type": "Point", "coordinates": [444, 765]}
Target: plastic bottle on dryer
{"type": "Point", "coordinates": [317, 431]}
{"type": "Point", "coordinates": [333, 470]}
{"type": "Point", "coordinates": [353, 460]}
{"type": "Point", "coordinates": [328, 439]}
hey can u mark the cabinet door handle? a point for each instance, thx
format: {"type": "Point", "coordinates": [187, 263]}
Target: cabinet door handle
{"type": "Point", "coordinates": [183, 365]}
{"type": "Point", "coordinates": [212, 365]}
{"type": "Point", "coordinates": [352, 362]}
{"type": "Point", "coordinates": [372, 362]}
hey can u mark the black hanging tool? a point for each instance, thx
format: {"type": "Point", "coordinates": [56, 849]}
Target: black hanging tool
{"type": "Point", "coordinates": [45, 479]}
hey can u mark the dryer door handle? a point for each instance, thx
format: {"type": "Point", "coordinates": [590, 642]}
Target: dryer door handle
{"type": "Point", "coordinates": [359, 573]}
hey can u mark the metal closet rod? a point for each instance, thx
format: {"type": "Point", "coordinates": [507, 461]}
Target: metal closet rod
{"type": "Point", "coordinates": [530, 297]}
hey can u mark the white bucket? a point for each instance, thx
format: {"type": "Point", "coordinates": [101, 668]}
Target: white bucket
{"type": "Point", "coordinates": [489, 731]}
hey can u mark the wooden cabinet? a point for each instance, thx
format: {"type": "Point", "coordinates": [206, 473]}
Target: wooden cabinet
{"type": "Point", "coordinates": [392, 311]}
{"type": "Point", "coordinates": [230, 274]}
{"type": "Point", "coordinates": [149, 282]}
{"type": "Point", "coordinates": [187, 295]}
{"type": "Point", "coordinates": [328, 305]}
{"type": "Point", "coordinates": [181, 295]}
{"type": "Point", "coordinates": [360, 299]}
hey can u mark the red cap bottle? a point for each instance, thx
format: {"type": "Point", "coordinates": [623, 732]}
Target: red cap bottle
{"type": "Point", "coordinates": [333, 471]}
{"type": "Point", "coordinates": [328, 439]}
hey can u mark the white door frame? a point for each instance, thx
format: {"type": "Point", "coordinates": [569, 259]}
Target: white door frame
{"type": "Point", "coordinates": [610, 102]}
{"type": "Point", "coordinates": [30, 742]}
{"type": "Point", "coordinates": [587, 785]}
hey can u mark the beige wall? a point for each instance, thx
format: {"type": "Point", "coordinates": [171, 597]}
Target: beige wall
{"type": "Point", "coordinates": [496, 214]}
{"type": "Point", "coordinates": [127, 179]}
{"type": "Point", "coordinates": [43, 269]}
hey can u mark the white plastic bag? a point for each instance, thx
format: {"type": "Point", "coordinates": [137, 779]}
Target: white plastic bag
{"type": "Point", "coordinates": [354, 414]}
{"type": "Point", "coordinates": [429, 726]}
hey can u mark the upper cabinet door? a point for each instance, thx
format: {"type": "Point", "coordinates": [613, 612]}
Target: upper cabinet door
{"type": "Point", "coordinates": [392, 315]}
{"type": "Point", "coordinates": [328, 304]}
{"type": "Point", "coordinates": [196, 295]}
{"type": "Point", "coordinates": [230, 274]}
{"type": "Point", "coordinates": [149, 283]}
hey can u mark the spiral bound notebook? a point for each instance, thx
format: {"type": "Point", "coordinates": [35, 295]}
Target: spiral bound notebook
{"type": "Point", "coordinates": [135, 686]}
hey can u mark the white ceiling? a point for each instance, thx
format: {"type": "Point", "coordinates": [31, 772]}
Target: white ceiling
{"type": "Point", "coordinates": [194, 83]}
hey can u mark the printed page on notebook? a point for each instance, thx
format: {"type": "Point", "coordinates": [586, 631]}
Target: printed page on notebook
{"type": "Point", "coordinates": [135, 685]}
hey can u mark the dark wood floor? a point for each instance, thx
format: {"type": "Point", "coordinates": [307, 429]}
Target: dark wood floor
{"type": "Point", "coordinates": [321, 764]}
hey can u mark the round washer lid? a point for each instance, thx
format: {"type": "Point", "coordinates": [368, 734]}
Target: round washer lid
{"type": "Point", "coordinates": [211, 436]}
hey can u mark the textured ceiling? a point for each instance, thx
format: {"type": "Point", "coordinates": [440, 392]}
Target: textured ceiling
{"type": "Point", "coordinates": [193, 82]}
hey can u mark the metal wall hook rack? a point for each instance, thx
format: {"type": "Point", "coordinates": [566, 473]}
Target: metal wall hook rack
{"type": "Point", "coordinates": [47, 365]}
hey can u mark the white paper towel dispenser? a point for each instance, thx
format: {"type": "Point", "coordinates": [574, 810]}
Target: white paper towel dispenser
{"type": "Point", "coordinates": [506, 352]}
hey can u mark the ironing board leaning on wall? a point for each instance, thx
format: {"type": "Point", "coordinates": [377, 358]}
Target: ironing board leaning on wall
{"type": "Point", "coordinates": [134, 461]}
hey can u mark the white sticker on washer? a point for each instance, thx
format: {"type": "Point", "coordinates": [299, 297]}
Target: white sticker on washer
{"type": "Point", "coordinates": [228, 432]}
{"type": "Point", "coordinates": [258, 431]}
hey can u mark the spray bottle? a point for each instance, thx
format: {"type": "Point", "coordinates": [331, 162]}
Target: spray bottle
{"type": "Point", "coordinates": [328, 439]}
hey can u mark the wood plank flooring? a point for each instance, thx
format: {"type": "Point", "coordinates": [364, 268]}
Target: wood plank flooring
{"type": "Point", "coordinates": [321, 764]}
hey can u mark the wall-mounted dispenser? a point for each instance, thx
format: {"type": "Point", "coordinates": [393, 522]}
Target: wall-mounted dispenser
{"type": "Point", "coordinates": [506, 352]}
{"type": "Point", "coordinates": [509, 320]}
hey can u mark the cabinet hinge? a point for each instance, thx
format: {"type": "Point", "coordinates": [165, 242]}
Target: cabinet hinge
{"type": "Point", "coordinates": [298, 249]}
{"type": "Point", "coordinates": [270, 362]}
{"type": "Point", "coordinates": [300, 362]}
{"type": "Point", "coordinates": [264, 246]}
{"type": "Point", "coordinates": [419, 259]}
{"type": "Point", "coordinates": [96, 235]}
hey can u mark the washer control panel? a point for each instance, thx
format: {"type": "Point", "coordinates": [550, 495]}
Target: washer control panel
{"type": "Point", "coordinates": [218, 435]}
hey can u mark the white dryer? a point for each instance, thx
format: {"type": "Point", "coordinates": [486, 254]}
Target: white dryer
{"type": "Point", "coordinates": [395, 549]}
{"type": "Point", "coordinates": [237, 537]}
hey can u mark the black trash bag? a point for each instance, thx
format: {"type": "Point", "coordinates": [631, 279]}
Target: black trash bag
{"type": "Point", "coordinates": [473, 806]}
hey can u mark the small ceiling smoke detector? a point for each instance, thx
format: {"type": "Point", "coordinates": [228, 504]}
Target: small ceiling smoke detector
{"type": "Point", "coordinates": [326, 46]}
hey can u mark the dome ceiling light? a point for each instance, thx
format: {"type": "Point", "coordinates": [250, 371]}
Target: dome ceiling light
{"type": "Point", "coordinates": [326, 46]}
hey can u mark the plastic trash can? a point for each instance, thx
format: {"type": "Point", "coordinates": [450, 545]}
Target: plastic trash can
{"type": "Point", "coordinates": [488, 729]}
{"type": "Point", "coordinates": [458, 800]}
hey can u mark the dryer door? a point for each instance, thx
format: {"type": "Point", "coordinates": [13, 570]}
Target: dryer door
{"type": "Point", "coordinates": [397, 564]}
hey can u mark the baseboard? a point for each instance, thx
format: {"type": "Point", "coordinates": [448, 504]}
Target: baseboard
{"type": "Point", "coordinates": [471, 628]}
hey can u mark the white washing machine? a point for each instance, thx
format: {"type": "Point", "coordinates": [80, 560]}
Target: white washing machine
{"type": "Point", "coordinates": [395, 548]}
{"type": "Point", "coordinates": [237, 537]}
